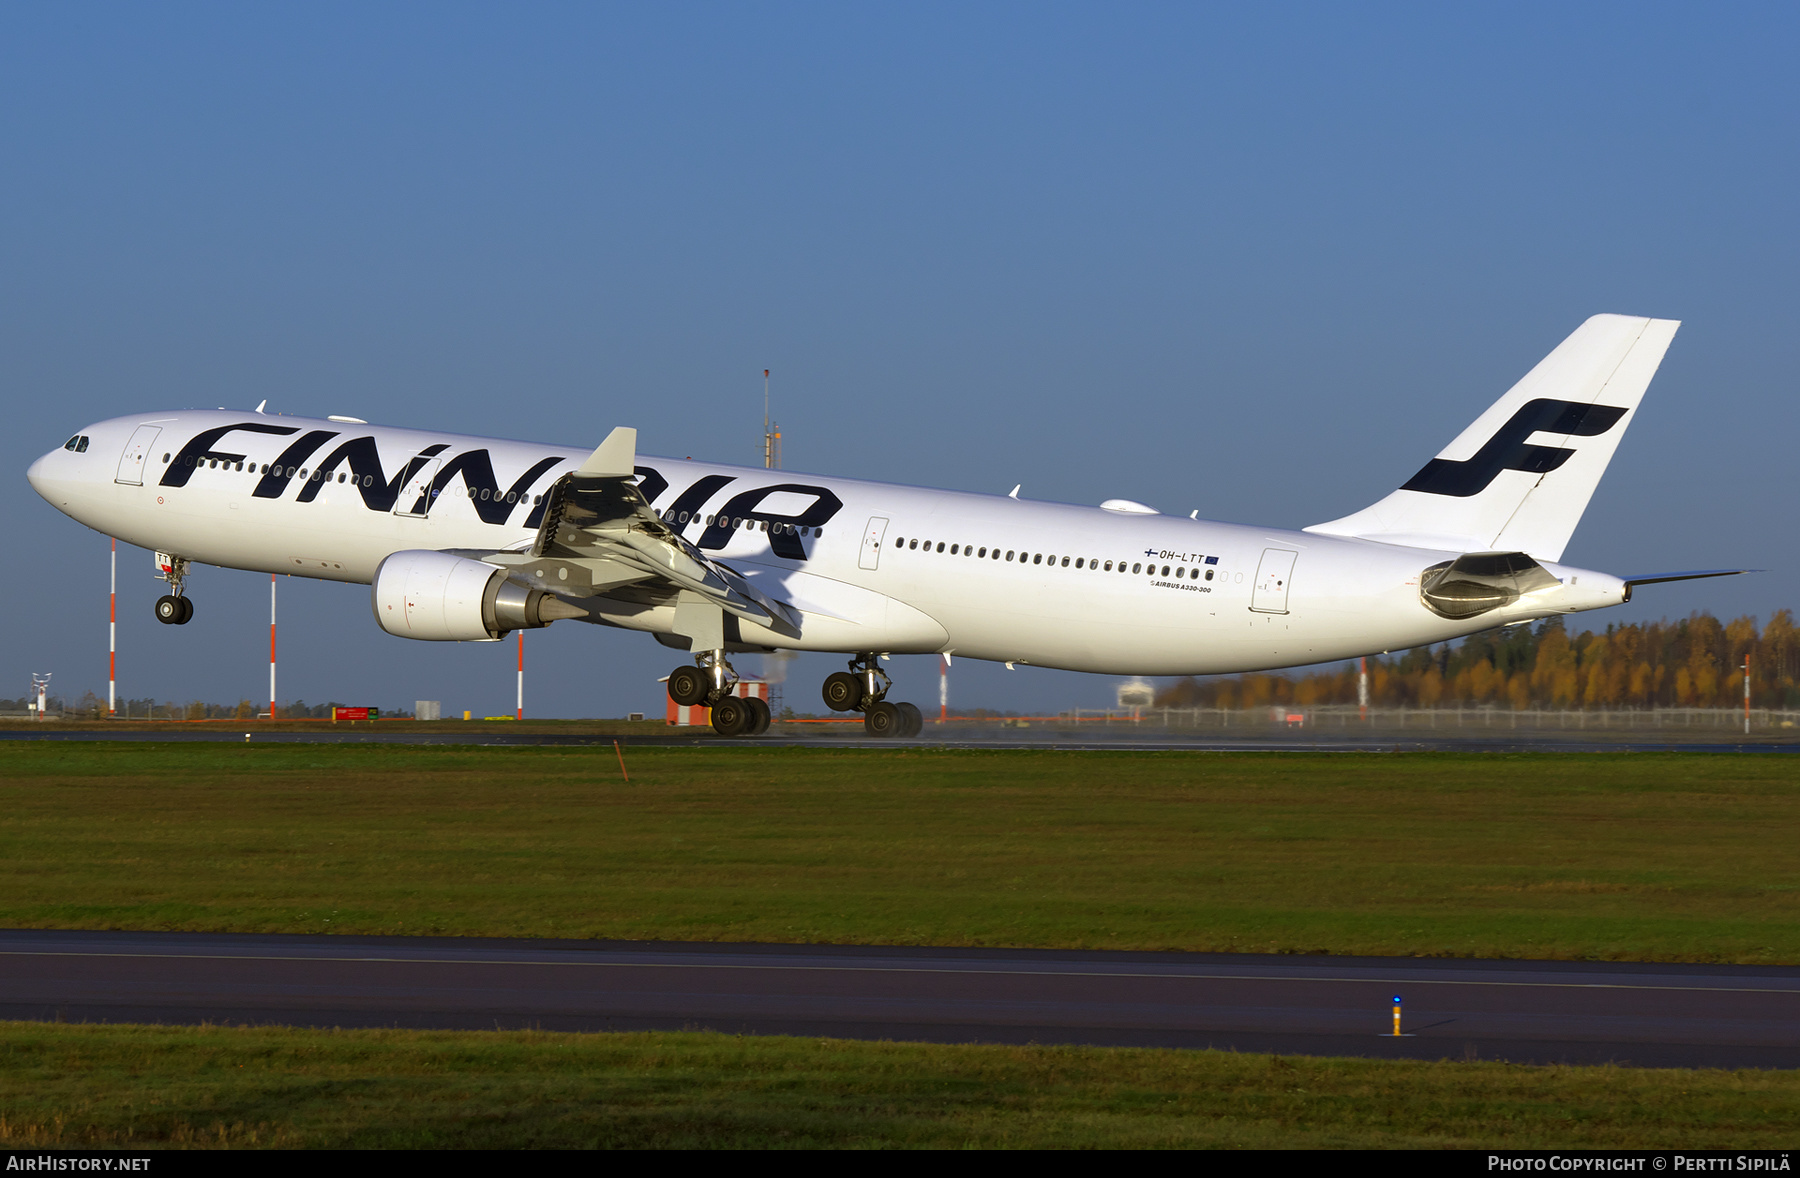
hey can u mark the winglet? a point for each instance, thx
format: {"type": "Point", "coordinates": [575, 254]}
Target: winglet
{"type": "Point", "coordinates": [615, 458]}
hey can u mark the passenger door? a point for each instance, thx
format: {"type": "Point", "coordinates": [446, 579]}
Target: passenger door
{"type": "Point", "coordinates": [415, 496]}
{"type": "Point", "coordinates": [137, 452]}
{"type": "Point", "coordinates": [1270, 595]}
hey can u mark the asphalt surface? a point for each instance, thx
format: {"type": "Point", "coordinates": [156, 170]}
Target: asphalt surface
{"type": "Point", "coordinates": [1650, 1015]}
{"type": "Point", "coordinates": [1095, 742]}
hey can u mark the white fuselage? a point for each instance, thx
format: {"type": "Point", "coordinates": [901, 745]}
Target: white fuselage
{"type": "Point", "coordinates": [1071, 587]}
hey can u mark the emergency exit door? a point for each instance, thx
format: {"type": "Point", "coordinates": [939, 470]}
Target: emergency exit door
{"type": "Point", "coordinates": [1270, 594]}
{"type": "Point", "coordinates": [870, 557]}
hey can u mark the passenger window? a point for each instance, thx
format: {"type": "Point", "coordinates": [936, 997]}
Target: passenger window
{"type": "Point", "coordinates": [1009, 554]}
{"type": "Point", "coordinates": [1065, 562]}
{"type": "Point", "coordinates": [1109, 566]}
{"type": "Point", "coordinates": [1134, 568]}
{"type": "Point", "coordinates": [940, 546]}
{"type": "Point", "coordinates": [915, 543]}
{"type": "Point", "coordinates": [342, 477]}
{"type": "Point", "coordinates": [1179, 573]}
{"type": "Point", "coordinates": [1209, 574]}
{"type": "Point", "coordinates": [1165, 571]}
{"type": "Point", "coordinates": [952, 550]}
{"type": "Point", "coordinates": [982, 554]}
{"type": "Point", "coordinates": [165, 460]}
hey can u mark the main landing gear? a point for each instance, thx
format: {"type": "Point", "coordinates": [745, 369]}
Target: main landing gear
{"type": "Point", "coordinates": [173, 608]}
{"type": "Point", "coordinates": [863, 688]}
{"type": "Point", "coordinates": [708, 684]}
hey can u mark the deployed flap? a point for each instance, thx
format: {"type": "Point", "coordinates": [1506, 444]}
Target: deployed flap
{"type": "Point", "coordinates": [1519, 478]}
{"type": "Point", "coordinates": [598, 515]}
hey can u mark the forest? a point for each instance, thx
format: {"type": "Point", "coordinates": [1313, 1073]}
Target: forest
{"type": "Point", "coordinates": [1694, 662]}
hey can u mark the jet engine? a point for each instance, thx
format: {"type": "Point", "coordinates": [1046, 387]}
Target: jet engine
{"type": "Point", "coordinates": [1477, 582]}
{"type": "Point", "coordinates": [437, 597]}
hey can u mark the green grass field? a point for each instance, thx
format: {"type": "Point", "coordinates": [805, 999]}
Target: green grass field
{"type": "Point", "coordinates": [105, 1086]}
{"type": "Point", "coordinates": [1626, 856]}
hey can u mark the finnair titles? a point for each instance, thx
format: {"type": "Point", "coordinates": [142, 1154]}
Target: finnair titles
{"type": "Point", "coordinates": [466, 539]}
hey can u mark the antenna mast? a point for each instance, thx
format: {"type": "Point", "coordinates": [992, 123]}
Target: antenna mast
{"type": "Point", "coordinates": [771, 433]}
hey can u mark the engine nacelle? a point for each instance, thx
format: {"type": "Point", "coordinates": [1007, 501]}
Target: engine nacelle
{"type": "Point", "coordinates": [437, 597]}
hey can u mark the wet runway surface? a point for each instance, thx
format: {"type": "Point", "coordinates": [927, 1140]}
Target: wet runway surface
{"type": "Point", "coordinates": [1072, 742]}
{"type": "Point", "coordinates": [1652, 1015]}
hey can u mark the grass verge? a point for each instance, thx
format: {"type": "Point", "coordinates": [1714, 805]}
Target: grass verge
{"type": "Point", "coordinates": [151, 1086]}
{"type": "Point", "coordinates": [1625, 856]}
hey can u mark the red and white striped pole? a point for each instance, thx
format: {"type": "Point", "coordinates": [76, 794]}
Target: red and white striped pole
{"type": "Point", "coordinates": [1746, 695]}
{"type": "Point", "coordinates": [943, 689]}
{"type": "Point", "coordinates": [112, 636]}
{"type": "Point", "coordinates": [271, 646]}
{"type": "Point", "coordinates": [520, 713]}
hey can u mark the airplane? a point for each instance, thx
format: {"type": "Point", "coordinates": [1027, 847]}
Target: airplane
{"type": "Point", "coordinates": [466, 539]}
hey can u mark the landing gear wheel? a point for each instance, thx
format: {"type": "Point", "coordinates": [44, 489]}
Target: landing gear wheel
{"type": "Point", "coordinates": [168, 610]}
{"type": "Point", "coordinates": [687, 686]}
{"type": "Point", "coordinates": [760, 716]}
{"type": "Point", "coordinates": [882, 720]}
{"type": "Point", "coordinates": [732, 716]}
{"type": "Point", "coordinates": [843, 692]}
{"type": "Point", "coordinates": [187, 611]}
{"type": "Point", "coordinates": [912, 721]}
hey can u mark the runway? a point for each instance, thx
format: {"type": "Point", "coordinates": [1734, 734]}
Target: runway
{"type": "Point", "coordinates": [1649, 1015]}
{"type": "Point", "coordinates": [1083, 742]}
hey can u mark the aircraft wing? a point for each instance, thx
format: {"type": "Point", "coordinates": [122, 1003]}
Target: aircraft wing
{"type": "Point", "coordinates": [597, 520]}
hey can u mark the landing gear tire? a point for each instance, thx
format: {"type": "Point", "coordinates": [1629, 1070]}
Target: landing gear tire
{"type": "Point", "coordinates": [688, 686]}
{"type": "Point", "coordinates": [882, 720]}
{"type": "Point", "coordinates": [732, 716]}
{"type": "Point", "coordinates": [759, 711]}
{"type": "Point", "coordinates": [912, 720]}
{"type": "Point", "coordinates": [173, 611]}
{"type": "Point", "coordinates": [187, 611]}
{"type": "Point", "coordinates": [843, 692]}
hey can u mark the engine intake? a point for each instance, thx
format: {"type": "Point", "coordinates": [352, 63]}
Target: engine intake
{"type": "Point", "coordinates": [437, 597]}
{"type": "Point", "coordinates": [1477, 582]}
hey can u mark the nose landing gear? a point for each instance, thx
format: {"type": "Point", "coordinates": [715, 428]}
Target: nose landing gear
{"type": "Point", "coordinates": [173, 608]}
{"type": "Point", "coordinates": [863, 688]}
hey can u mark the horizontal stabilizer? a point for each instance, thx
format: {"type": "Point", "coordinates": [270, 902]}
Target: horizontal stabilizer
{"type": "Point", "coordinates": [1659, 578]}
{"type": "Point", "coordinates": [1519, 478]}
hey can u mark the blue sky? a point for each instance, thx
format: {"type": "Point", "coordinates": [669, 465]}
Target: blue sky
{"type": "Point", "coordinates": [1259, 261]}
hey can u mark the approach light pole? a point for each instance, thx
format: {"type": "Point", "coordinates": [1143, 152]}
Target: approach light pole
{"type": "Point", "coordinates": [112, 634]}
{"type": "Point", "coordinates": [519, 714]}
{"type": "Point", "coordinates": [1746, 695]}
{"type": "Point", "coordinates": [271, 646]}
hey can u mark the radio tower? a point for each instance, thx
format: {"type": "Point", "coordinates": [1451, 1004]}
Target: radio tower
{"type": "Point", "coordinates": [771, 432]}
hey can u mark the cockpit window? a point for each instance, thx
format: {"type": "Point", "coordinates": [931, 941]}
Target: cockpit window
{"type": "Point", "coordinates": [78, 443]}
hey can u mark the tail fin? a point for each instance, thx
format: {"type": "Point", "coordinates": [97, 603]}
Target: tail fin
{"type": "Point", "coordinates": [1495, 488]}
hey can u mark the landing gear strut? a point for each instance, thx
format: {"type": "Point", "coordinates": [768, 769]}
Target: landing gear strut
{"type": "Point", "coordinates": [173, 608]}
{"type": "Point", "coordinates": [709, 684]}
{"type": "Point", "coordinates": [863, 688]}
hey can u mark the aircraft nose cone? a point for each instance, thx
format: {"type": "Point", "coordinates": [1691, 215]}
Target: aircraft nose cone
{"type": "Point", "coordinates": [35, 474]}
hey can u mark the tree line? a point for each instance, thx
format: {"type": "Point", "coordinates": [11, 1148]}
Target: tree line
{"type": "Point", "coordinates": [1693, 662]}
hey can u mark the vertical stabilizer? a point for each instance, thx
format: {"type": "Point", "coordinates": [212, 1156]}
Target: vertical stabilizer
{"type": "Point", "coordinates": [1518, 479]}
